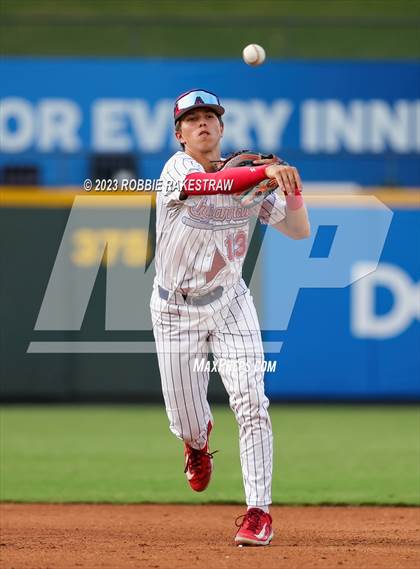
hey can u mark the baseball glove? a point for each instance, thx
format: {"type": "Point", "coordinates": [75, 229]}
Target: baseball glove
{"type": "Point", "coordinates": [252, 196]}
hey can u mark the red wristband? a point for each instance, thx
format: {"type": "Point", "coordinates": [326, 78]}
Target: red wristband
{"type": "Point", "coordinates": [294, 201]}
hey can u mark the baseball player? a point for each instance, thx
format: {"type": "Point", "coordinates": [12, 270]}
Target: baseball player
{"type": "Point", "coordinates": [200, 301]}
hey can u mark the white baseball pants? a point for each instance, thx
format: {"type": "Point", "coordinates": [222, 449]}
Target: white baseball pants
{"type": "Point", "coordinates": [229, 327]}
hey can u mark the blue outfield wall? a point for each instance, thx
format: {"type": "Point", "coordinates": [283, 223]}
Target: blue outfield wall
{"type": "Point", "coordinates": [337, 121]}
{"type": "Point", "coordinates": [356, 342]}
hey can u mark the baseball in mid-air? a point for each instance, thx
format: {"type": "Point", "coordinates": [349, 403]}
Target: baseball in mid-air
{"type": "Point", "coordinates": [253, 54]}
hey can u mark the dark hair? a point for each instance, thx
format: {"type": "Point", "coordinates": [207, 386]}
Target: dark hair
{"type": "Point", "coordinates": [178, 126]}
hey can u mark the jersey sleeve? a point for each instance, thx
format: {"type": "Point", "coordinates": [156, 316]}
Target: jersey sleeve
{"type": "Point", "coordinates": [173, 177]}
{"type": "Point", "coordinates": [271, 210]}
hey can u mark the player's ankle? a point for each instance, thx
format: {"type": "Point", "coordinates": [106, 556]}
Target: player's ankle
{"type": "Point", "coordinates": [265, 509]}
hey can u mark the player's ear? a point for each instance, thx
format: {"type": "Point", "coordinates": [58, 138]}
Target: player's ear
{"type": "Point", "coordinates": [179, 137]}
{"type": "Point", "coordinates": [222, 126]}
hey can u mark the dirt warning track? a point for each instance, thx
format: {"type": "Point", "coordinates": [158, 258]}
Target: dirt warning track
{"type": "Point", "coordinates": [41, 536]}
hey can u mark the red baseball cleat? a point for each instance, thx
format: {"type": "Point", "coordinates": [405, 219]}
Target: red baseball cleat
{"type": "Point", "coordinates": [255, 528]}
{"type": "Point", "coordinates": [199, 465]}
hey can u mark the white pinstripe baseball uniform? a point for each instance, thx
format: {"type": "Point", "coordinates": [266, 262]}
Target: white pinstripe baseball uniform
{"type": "Point", "coordinates": [201, 244]}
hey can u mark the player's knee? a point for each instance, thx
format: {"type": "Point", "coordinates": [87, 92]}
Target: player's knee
{"type": "Point", "coordinates": [247, 409]}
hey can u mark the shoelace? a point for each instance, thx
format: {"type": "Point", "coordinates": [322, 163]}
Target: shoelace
{"type": "Point", "coordinates": [251, 521]}
{"type": "Point", "coordinates": [195, 458]}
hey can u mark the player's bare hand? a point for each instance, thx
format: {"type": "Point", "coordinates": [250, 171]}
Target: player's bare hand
{"type": "Point", "coordinates": [287, 177]}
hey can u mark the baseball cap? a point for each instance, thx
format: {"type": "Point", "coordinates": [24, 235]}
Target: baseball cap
{"type": "Point", "coordinates": [195, 99]}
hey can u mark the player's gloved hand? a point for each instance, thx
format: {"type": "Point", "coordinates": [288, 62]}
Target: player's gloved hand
{"type": "Point", "coordinates": [255, 195]}
{"type": "Point", "coordinates": [268, 159]}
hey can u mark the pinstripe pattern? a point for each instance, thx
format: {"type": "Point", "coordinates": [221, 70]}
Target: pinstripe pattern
{"type": "Point", "coordinates": [188, 233]}
{"type": "Point", "coordinates": [229, 327]}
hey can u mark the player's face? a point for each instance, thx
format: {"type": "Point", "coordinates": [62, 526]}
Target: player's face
{"type": "Point", "coordinates": [200, 130]}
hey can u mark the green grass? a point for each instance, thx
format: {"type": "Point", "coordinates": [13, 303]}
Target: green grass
{"type": "Point", "coordinates": [332, 454]}
{"type": "Point", "coordinates": [212, 28]}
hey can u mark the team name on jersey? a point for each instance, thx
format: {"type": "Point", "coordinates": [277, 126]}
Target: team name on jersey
{"type": "Point", "coordinates": [206, 212]}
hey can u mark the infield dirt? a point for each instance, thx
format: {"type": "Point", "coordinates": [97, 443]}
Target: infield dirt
{"type": "Point", "coordinates": [54, 536]}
